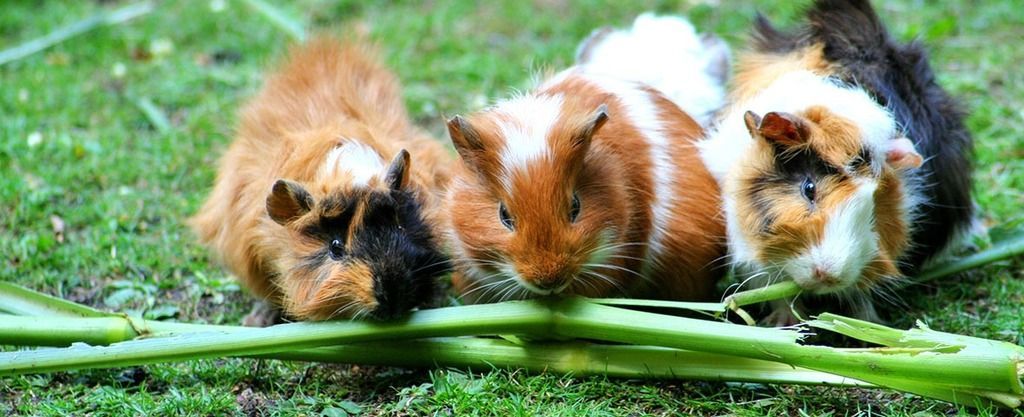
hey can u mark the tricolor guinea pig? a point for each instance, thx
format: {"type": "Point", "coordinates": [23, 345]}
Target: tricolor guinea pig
{"type": "Point", "coordinates": [588, 185]}
{"type": "Point", "coordinates": [844, 166]}
{"type": "Point", "coordinates": [327, 202]}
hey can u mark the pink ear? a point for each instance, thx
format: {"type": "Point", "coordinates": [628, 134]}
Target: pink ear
{"type": "Point", "coordinates": [900, 154]}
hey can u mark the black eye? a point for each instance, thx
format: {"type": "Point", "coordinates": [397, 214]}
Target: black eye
{"type": "Point", "coordinates": [808, 189]}
{"type": "Point", "coordinates": [337, 249]}
{"type": "Point", "coordinates": [574, 211]}
{"type": "Point", "coordinates": [505, 218]}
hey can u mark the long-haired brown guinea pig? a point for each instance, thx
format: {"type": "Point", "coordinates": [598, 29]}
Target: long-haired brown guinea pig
{"type": "Point", "coordinates": [327, 202]}
{"type": "Point", "coordinates": [844, 165]}
{"type": "Point", "coordinates": [589, 185]}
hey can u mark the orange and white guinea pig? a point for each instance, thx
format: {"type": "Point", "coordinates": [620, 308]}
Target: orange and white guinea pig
{"type": "Point", "coordinates": [327, 202]}
{"type": "Point", "coordinates": [844, 166]}
{"type": "Point", "coordinates": [588, 185]}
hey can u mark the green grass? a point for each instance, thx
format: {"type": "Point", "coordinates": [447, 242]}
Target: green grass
{"type": "Point", "coordinates": [123, 188]}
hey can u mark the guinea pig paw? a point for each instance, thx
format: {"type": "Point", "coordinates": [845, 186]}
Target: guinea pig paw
{"type": "Point", "coordinates": [262, 315]}
{"type": "Point", "coordinates": [784, 314]}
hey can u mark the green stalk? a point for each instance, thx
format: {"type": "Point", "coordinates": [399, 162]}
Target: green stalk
{"type": "Point", "coordinates": [1004, 249]}
{"type": "Point", "coordinates": [42, 331]}
{"type": "Point", "coordinates": [575, 357]}
{"type": "Point", "coordinates": [976, 371]}
{"type": "Point", "coordinates": [678, 305]}
{"type": "Point", "coordinates": [510, 317]}
{"type": "Point", "coordinates": [25, 302]}
{"type": "Point", "coordinates": [976, 367]}
{"type": "Point", "coordinates": [97, 331]}
{"type": "Point", "coordinates": [777, 291]}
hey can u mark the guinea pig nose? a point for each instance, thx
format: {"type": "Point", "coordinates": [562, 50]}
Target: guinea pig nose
{"type": "Point", "coordinates": [824, 277]}
{"type": "Point", "coordinates": [553, 282]}
{"type": "Point", "coordinates": [385, 312]}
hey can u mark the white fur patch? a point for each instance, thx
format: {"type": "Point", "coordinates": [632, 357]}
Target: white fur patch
{"type": "Point", "coordinates": [643, 113]}
{"type": "Point", "coordinates": [795, 92]}
{"type": "Point", "coordinates": [526, 134]}
{"type": "Point", "coordinates": [848, 245]}
{"type": "Point", "coordinates": [355, 159]}
{"type": "Point", "coordinates": [666, 53]}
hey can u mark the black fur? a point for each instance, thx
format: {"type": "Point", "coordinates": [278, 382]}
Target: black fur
{"type": "Point", "coordinates": [789, 172]}
{"type": "Point", "coordinates": [394, 240]}
{"type": "Point", "coordinates": [405, 259]}
{"type": "Point", "coordinates": [899, 77]}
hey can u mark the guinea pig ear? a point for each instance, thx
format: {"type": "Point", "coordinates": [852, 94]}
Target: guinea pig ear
{"type": "Point", "coordinates": [466, 139]}
{"type": "Point", "coordinates": [782, 128]}
{"type": "Point", "coordinates": [752, 120]}
{"type": "Point", "coordinates": [288, 201]}
{"type": "Point", "coordinates": [397, 176]}
{"type": "Point", "coordinates": [901, 154]}
{"type": "Point", "coordinates": [590, 127]}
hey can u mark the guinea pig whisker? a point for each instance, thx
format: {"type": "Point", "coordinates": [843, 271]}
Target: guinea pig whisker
{"type": "Point", "coordinates": [615, 267]}
{"type": "Point", "coordinates": [509, 290]}
{"type": "Point", "coordinates": [487, 262]}
{"type": "Point", "coordinates": [725, 257]}
{"type": "Point", "coordinates": [634, 258]}
{"type": "Point", "coordinates": [497, 287]}
{"type": "Point", "coordinates": [361, 314]}
{"type": "Point", "coordinates": [622, 245]}
{"type": "Point", "coordinates": [484, 283]}
{"type": "Point", "coordinates": [519, 294]}
{"type": "Point", "coordinates": [491, 287]}
{"type": "Point", "coordinates": [605, 278]}
{"type": "Point", "coordinates": [776, 277]}
{"type": "Point", "coordinates": [584, 280]}
{"type": "Point", "coordinates": [889, 297]}
{"type": "Point", "coordinates": [614, 248]}
{"type": "Point", "coordinates": [736, 287]}
{"type": "Point", "coordinates": [429, 266]}
{"type": "Point", "coordinates": [885, 290]}
{"type": "Point", "coordinates": [344, 308]}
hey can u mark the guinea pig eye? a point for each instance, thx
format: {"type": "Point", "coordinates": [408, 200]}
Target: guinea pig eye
{"type": "Point", "coordinates": [337, 249]}
{"type": "Point", "coordinates": [505, 218]}
{"type": "Point", "coordinates": [808, 189]}
{"type": "Point", "coordinates": [574, 211]}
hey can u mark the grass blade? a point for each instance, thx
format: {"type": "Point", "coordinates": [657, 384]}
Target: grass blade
{"type": "Point", "coordinates": [153, 114]}
{"type": "Point", "coordinates": [120, 15]}
{"type": "Point", "coordinates": [279, 19]}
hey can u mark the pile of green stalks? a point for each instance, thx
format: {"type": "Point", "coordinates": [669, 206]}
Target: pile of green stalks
{"type": "Point", "coordinates": [571, 335]}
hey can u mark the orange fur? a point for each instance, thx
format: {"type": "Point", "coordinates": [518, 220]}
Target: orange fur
{"type": "Point", "coordinates": [326, 94]}
{"type": "Point", "coordinates": [613, 176]}
{"type": "Point", "coordinates": [756, 70]}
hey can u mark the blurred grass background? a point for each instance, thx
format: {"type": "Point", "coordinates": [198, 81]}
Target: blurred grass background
{"type": "Point", "coordinates": [94, 193]}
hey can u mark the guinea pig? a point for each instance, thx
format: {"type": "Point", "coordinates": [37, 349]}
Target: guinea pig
{"type": "Point", "coordinates": [692, 72]}
{"type": "Point", "coordinates": [318, 206]}
{"type": "Point", "coordinates": [844, 166]}
{"type": "Point", "coordinates": [589, 185]}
